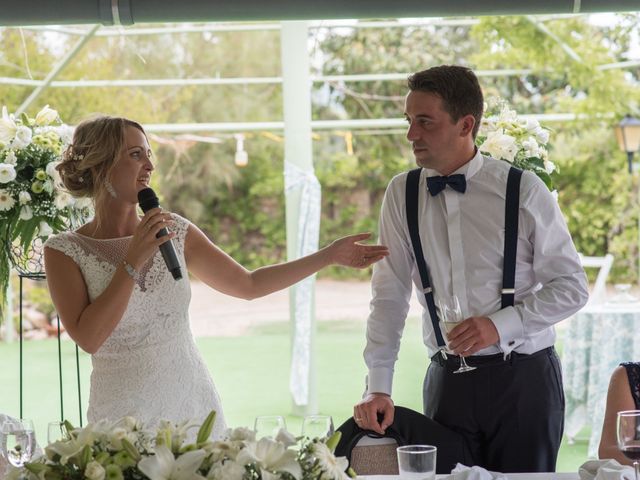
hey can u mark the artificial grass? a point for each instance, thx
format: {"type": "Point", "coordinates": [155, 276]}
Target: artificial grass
{"type": "Point", "coordinates": [251, 373]}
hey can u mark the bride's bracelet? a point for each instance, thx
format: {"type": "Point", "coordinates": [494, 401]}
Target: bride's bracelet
{"type": "Point", "coordinates": [133, 273]}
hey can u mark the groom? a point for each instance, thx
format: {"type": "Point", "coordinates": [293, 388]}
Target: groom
{"type": "Point", "coordinates": [452, 229]}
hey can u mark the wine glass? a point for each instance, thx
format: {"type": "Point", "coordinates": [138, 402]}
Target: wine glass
{"type": "Point", "coordinates": [269, 425]}
{"type": "Point", "coordinates": [18, 441]}
{"type": "Point", "coordinates": [56, 431]}
{"type": "Point", "coordinates": [629, 436]}
{"type": "Point", "coordinates": [317, 426]}
{"type": "Point", "coordinates": [451, 314]}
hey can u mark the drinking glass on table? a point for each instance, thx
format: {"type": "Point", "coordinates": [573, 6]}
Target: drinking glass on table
{"type": "Point", "coordinates": [451, 314]}
{"type": "Point", "coordinates": [268, 425]}
{"type": "Point", "coordinates": [629, 436]}
{"type": "Point", "coordinates": [18, 441]}
{"type": "Point", "coordinates": [317, 426]}
{"type": "Point", "coordinates": [417, 462]}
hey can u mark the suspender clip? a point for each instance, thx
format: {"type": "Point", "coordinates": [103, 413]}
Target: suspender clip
{"type": "Point", "coordinates": [508, 291]}
{"type": "Point", "coordinates": [427, 290]}
{"type": "Point", "coordinates": [443, 353]}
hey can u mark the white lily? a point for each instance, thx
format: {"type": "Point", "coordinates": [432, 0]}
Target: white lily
{"type": "Point", "coordinates": [270, 455]}
{"type": "Point", "coordinates": [164, 466]}
{"type": "Point", "coordinates": [8, 127]}
{"type": "Point", "coordinates": [46, 116]}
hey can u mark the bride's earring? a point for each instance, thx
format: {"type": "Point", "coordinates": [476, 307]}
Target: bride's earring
{"type": "Point", "coordinates": [110, 189]}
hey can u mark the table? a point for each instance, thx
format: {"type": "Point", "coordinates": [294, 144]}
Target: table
{"type": "Point", "coordinates": [510, 476]}
{"type": "Point", "coordinates": [597, 340]}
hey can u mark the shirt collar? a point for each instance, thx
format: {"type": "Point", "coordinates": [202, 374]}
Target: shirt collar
{"type": "Point", "coordinates": [469, 169]}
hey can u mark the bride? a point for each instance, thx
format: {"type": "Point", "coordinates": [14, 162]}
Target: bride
{"type": "Point", "coordinates": [119, 302]}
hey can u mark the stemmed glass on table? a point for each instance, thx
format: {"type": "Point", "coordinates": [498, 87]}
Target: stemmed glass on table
{"type": "Point", "coordinates": [269, 425]}
{"type": "Point", "coordinates": [317, 426]}
{"type": "Point", "coordinates": [629, 436]}
{"type": "Point", "coordinates": [451, 314]}
{"type": "Point", "coordinates": [18, 441]}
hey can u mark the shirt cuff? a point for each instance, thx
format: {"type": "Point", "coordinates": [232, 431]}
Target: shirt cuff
{"type": "Point", "coordinates": [380, 380]}
{"type": "Point", "coordinates": [510, 329]}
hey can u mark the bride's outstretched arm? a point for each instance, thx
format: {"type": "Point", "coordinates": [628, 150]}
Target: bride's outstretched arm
{"type": "Point", "coordinates": [218, 270]}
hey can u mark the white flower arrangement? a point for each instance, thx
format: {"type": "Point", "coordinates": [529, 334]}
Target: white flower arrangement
{"type": "Point", "coordinates": [124, 450]}
{"type": "Point", "coordinates": [523, 143]}
{"type": "Point", "coordinates": [32, 201]}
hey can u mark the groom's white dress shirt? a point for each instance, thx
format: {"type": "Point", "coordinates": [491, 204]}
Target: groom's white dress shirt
{"type": "Point", "coordinates": [462, 238]}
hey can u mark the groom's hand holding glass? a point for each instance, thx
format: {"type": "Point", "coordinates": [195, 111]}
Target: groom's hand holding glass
{"type": "Point", "coordinates": [472, 335]}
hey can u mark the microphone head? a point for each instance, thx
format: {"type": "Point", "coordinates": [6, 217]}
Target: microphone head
{"type": "Point", "coordinates": [148, 199]}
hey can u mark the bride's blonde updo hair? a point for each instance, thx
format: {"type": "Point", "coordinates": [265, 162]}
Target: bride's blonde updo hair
{"type": "Point", "coordinates": [87, 162]}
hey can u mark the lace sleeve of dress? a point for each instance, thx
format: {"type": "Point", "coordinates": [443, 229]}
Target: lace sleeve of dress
{"type": "Point", "coordinates": [633, 374]}
{"type": "Point", "coordinates": [65, 244]}
{"type": "Point", "coordinates": [180, 227]}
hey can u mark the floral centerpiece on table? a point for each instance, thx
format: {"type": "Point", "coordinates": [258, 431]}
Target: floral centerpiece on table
{"type": "Point", "coordinates": [125, 450]}
{"type": "Point", "coordinates": [523, 143]}
{"type": "Point", "coordinates": [33, 204]}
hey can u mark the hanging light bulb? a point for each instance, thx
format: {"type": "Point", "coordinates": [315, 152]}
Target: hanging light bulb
{"type": "Point", "coordinates": [241, 157]}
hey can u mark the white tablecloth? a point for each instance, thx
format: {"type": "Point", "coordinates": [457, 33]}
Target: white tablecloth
{"type": "Point", "coordinates": [597, 340]}
{"type": "Point", "coordinates": [510, 476]}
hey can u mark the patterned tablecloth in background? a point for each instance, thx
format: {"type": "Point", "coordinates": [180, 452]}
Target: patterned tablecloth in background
{"type": "Point", "coordinates": [598, 339]}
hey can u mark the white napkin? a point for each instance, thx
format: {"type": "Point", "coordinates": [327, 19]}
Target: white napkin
{"type": "Point", "coordinates": [605, 470]}
{"type": "Point", "coordinates": [462, 472]}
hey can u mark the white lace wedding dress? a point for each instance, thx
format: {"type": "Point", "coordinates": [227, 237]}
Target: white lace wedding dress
{"type": "Point", "coordinates": [149, 367]}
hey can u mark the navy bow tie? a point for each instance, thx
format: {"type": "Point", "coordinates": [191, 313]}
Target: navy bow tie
{"type": "Point", "coordinates": [436, 184]}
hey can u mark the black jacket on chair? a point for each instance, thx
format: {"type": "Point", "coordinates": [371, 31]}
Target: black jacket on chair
{"type": "Point", "coordinates": [412, 428]}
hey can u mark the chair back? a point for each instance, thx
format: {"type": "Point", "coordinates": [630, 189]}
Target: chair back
{"type": "Point", "coordinates": [603, 264]}
{"type": "Point", "coordinates": [372, 454]}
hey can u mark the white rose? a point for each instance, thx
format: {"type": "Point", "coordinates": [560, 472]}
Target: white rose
{"type": "Point", "coordinates": [44, 230]}
{"type": "Point", "coordinates": [7, 173]}
{"type": "Point", "coordinates": [531, 148]}
{"type": "Point", "coordinates": [65, 132]}
{"type": "Point", "coordinates": [11, 158]}
{"type": "Point", "coordinates": [24, 198]}
{"type": "Point", "coordinates": [532, 125]}
{"type": "Point", "coordinates": [94, 471]}
{"type": "Point", "coordinates": [26, 213]}
{"type": "Point", "coordinates": [8, 127]}
{"type": "Point", "coordinates": [549, 166]}
{"type": "Point", "coordinates": [63, 200]}
{"type": "Point", "coordinates": [500, 146]}
{"type": "Point", "coordinates": [51, 169]}
{"type": "Point", "coordinates": [46, 116]}
{"type": "Point", "coordinates": [22, 138]}
{"type": "Point", "coordinates": [542, 135]}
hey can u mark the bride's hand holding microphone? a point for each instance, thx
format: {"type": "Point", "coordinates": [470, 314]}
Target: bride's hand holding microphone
{"type": "Point", "coordinates": [145, 242]}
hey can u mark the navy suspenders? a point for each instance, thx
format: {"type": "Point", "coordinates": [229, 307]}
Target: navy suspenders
{"type": "Point", "coordinates": [512, 205]}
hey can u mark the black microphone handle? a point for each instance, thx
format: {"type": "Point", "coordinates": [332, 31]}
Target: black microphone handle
{"type": "Point", "coordinates": [169, 254]}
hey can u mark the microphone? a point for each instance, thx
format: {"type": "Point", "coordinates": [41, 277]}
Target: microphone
{"type": "Point", "coordinates": [148, 200]}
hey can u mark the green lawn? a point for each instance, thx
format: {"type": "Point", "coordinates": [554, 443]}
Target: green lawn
{"type": "Point", "coordinates": [251, 373]}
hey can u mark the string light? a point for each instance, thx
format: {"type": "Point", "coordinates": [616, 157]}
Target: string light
{"type": "Point", "coordinates": [241, 157]}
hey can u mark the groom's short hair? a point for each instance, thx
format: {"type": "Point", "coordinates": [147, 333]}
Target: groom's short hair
{"type": "Point", "coordinates": [457, 86]}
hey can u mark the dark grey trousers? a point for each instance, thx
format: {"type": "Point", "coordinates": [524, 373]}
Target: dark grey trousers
{"type": "Point", "coordinates": [511, 412]}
